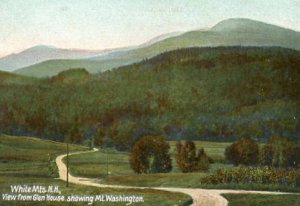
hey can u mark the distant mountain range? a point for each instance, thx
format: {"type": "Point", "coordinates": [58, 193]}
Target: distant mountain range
{"type": "Point", "coordinates": [231, 32]}
{"type": "Point", "coordinates": [41, 53]}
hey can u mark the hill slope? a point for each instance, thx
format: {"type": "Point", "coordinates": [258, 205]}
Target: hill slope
{"type": "Point", "coordinates": [11, 78]}
{"type": "Point", "coordinates": [232, 32]}
{"type": "Point", "coordinates": [53, 67]}
{"type": "Point", "coordinates": [200, 93]}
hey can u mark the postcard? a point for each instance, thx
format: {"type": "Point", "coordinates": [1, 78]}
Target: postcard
{"type": "Point", "coordinates": [152, 103]}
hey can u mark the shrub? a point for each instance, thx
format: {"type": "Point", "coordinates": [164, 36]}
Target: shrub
{"type": "Point", "coordinates": [280, 152]}
{"type": "Point", "coordinates": [150, 154]}
{"type": "Point", "coordinates": [189, 160]}
{"type": "Point", "coordinates": [262, 175]}
{"type": "Point", "coordinates": [243, 151]}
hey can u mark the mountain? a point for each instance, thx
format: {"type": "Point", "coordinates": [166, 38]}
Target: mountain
{"type": "Point", "coordinates": [231, 32]}
{"type": "Point", "coordinates": [120, 51]}
{"type": "Point", "coordinates": [39, 54]}
{"type": "Point", "coordinates": [159, 38]}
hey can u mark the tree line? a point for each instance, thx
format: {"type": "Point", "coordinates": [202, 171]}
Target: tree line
{"type": "Point", "coordinates": [151, 154]}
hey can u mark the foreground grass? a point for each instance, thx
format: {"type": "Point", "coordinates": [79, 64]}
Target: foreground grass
{"type": "Point", "coordinates": [31, 161]}
{"type": "Point", "coordinates": [156, 180]}
{"type": "Point", "coordinates": [252, 186]}
{"type": "Point", "coordinates": [190, 180]}
{"type": "Point", "coordinates": [259, 199]}
{"type": "Point", "coordinates": [151, 197]}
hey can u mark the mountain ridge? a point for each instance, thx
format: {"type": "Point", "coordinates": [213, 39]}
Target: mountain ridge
{"type": "Point", "coordinates": [231, 22]}
{"type": "Point", "coordinates": [41, 53]}
{"type": "Point", "coordinates": [231, 32]}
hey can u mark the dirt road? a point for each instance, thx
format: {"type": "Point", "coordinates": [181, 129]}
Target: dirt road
{"type": "Point", "coordinates": [201, 197]}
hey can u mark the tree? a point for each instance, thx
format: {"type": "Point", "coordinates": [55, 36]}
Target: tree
{"type": "Point", "coordinates": [266, 155]}
{"type": "Point", "coordinates": [243, 151]}
{"type": "Point", "coordinates": [6, 118]}
{"type": "Point", "coordinates": [280, 152]}
{"type": "Point", "coordinates": [150, 154]}
{"type": "Point", "coordinates": [188, 159]}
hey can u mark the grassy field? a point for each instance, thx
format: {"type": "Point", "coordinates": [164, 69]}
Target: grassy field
{"type": "Point", "coordinates": [31, 161]}
{"type": "Point", "coordinates": [112, 167]}
{"type": "Point", "coordinates": [116, 165]}
{"type": "Point", "coordinates": [259, 199]}
{"type": "Point", "coordinates": [215, 150]}
{"type": "Point", "coordinates": [26, 156]}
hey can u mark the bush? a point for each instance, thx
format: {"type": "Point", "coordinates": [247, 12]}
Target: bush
{"type": "Point", "coordinates": [189, 160]}
{"type": "Point", "coordinates": [150, 154]}
{"type": "Point", "coordinates": [262, 175]}
{"type": "Point", "coordinates": [280, 152]}
{"type": "Point", "coordinates": [243, 151]}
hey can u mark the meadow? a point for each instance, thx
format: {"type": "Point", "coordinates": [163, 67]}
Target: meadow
{"type": "Point", "coordinates": [31, 161]}
{"type": "Point", "coordinates": [110, 166]}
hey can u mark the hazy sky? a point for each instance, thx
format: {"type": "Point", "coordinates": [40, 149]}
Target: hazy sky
{"type": "Point", "coordinates": [99, 24]}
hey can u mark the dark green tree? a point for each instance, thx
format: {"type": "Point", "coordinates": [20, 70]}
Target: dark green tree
{"type": "Point", "coordinates": [280, 152]}
{"type": "Point", "coordinates": [243, 151]}
{"type": "Point", "coordinates": [150, 154]}
{"type": "Point", "coordinates": [188, 159]}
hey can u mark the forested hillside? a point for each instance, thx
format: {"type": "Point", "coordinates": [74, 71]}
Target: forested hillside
{"type": "Point", "coordinates": [194, 93]}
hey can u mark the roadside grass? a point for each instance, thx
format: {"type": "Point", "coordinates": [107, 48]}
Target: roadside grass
{"type": "Point", "coordinates": [151, 197]}
{"type": "Point", "coordinates": [262, 199]}
{"type": "Point", "coordinates": [251, 186]}
{"type": "Point", "coordinates": [189, 180]}
{"type": "Point", "coordinates": [156, 180]}
{"type": "Point", "coordinates": [31, 161]}
{"type": "Point", "coordinates": [32, 149]}
{"type": "Point", "coordinates": [96, 164]}
{"type": "Point", "coordinates": [29, 156]}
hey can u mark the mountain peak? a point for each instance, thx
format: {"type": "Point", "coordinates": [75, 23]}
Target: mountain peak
{"type": "Point", "coordinates": [41, 46]}
{"type": "Point", "coordinates": [246, 25]}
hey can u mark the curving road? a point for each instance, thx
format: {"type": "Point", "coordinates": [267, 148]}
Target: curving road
{"type": "Point", "coordinates": [201, 197]}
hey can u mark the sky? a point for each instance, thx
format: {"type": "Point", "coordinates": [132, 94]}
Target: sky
{"type": "Point", "coordinates": [101, 24]}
